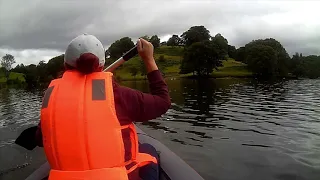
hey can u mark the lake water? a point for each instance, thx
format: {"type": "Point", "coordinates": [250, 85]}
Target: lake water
{"type": "Point", "coordinates": [228, 129]}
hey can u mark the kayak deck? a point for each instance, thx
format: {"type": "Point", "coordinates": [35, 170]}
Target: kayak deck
{"type": "Point", "coordinates": [172, 167]}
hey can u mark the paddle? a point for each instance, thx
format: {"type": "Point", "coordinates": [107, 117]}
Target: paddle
{"type": "Point", "coordinates": [27, 138]}
{"type": "Point", "coordinates": [128, 55]}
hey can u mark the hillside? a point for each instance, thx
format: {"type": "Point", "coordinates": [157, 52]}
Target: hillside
{"type": "Point", "coordinates": [168, 59]}
{"type": "Point", "coordinates": [232, 68]}
{"type": "Point", "coordinates": [13, 76]}
{"type": "Point", "coordinates": [173, 57]}
{"type": "Point", "coordinates": [171, 64]}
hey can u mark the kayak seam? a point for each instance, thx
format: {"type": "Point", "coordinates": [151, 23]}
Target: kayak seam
{"type": "Point", "coordinates": [147, 135]}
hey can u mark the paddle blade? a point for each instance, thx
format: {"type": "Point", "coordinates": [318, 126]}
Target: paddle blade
{"type": "Point", "coordinates": [27, 138]}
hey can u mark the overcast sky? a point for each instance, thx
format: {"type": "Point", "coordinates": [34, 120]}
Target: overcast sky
{"type": "Point", "coordinates": [35, 30]}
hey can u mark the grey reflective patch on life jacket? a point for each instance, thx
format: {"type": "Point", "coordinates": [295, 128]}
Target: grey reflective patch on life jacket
{"type": "Point", "coordinates": [46, 98]}
{"type": "Point", "coordinates": [98, 89]}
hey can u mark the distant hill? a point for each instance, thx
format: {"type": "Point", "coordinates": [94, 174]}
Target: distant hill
{"type": "Point", "coordinates": [169, 66]}
{"type": "Point", "coordinates": [173, 56]}
{"type": "Point", "coordinates": [168, 59]}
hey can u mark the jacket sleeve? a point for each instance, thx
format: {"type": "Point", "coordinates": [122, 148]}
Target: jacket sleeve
{"type": "Point", "coordinates": [140, 106]}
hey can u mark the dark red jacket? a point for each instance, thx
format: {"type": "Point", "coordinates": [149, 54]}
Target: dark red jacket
{"type": "Point", "coordinates": [134, 106]}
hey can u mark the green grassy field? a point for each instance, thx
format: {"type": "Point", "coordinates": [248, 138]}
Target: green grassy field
{"type": "Point", "coordinates": [173, 56]}
{"type": "Point", "coordinates": [232, 68]}
{"type": "Point", "coordinates": [12, 76]}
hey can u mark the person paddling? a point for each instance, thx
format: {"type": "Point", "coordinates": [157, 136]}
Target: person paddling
{"type": "Point", "coordinates": [86, 123]}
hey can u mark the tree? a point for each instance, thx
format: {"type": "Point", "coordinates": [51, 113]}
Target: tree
{"type": "Point", "coordinates": [107, 54]}
{"type": "Point", "coordinates": [119, 47]}
{"type": "Point", "coordinates": [232, 51]}
{"type": "Point", "coordinates": [201, 57]}
{"type": "Point", "coordinates": [42, 72]}
{"type": "Point", "coordinates": [164, 43]}
{"type": "Point", "coordinates": [108, 62]}
{"type": "Point", "coordinates": [281, 53]}
{"type": "Point", "coordinates": [305, 66]}
{"type": "Point", "coordinates": [146, 37]}
{"type": "Point", "coordinates": [262, 60]}
{"type": "Point", "coordinates": [133, 70]}
{"type": "Point", "coordinates": [31, 75]}
{"type": "Point", "coordinates": [174, 41]}
{"type": "Point", "coordinates": [222, 44]}
{"type": "Point", "coordinates": [2, 70]}
{"type": "Point", "coordinates": [55, 66]}
{"type": "Point", "coordinates": [297, 65]}
{"type": "Point", "coordinates": [162, 63]}
{"type": "Point", "coordinates": [195, 34]}
{"type": "Point", "coordinates": [7, 61]}
{"type": "Point", "coordinates": [20, 68]}
{"type": "Point", "coordinates": [313, 66]}
{"type": "Point", "coordinates": [241, 54]}
{"type": "Point", "coordinates": [142, 68]}
{"type": "Point", "coordinates": [155, 41]}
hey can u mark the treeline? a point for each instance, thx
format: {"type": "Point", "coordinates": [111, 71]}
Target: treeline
{"type": "Point", "coordinates": [267, 58]}
{"type": "Point", "coordinates": [42, 73]}
{"type": "Point", "coordinates": [202, 54]}
{"type": "Point", "coordinates": [305, 66]}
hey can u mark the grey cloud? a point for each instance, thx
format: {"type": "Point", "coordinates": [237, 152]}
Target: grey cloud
{"type": "Point", "coordinates": [30, 56]}
{"type": "Point", "coordinates": [295, 38]}
{"type": "Point", "coordinates": [44, 24]}
{"type": "Point", "coordinates": [52, 24]}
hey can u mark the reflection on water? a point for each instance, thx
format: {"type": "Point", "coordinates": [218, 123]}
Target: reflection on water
{"type": "Point", "coordinates": [18, 109]}
{"type": "Point", "coordinates": [243, 129]}
{"type": "Point", "coordinates": [225, 129]}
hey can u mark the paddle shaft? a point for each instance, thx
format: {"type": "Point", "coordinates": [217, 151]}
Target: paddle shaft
{"type": "Point", "coordinates": [128, 55]}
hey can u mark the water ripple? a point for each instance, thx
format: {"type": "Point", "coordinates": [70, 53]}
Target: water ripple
{"type": "Point", "coordinates": [239, 126]}
{"type": "Point", "coordinates": [280, 117]}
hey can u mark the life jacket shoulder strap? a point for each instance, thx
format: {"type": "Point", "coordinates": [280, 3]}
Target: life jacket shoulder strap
{"type": "Point", "coordinates": [137, 159]}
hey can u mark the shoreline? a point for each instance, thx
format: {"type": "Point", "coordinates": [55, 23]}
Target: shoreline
{"type": "Point", "coordinates": [213, 77]}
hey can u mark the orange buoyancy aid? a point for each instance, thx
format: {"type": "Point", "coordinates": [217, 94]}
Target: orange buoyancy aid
{"type": "Point", "coordinates": [82, 136]}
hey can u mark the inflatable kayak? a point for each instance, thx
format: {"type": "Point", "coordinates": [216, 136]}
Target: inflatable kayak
{"type": "Point", "coordinates": [172, 167]}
